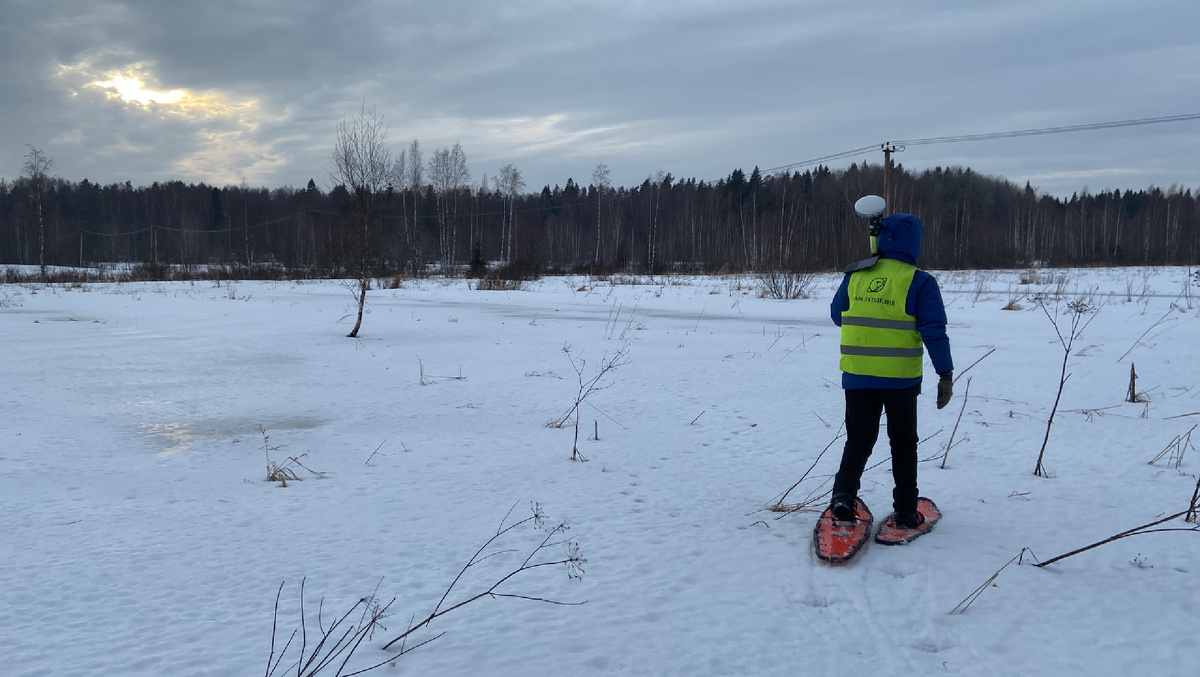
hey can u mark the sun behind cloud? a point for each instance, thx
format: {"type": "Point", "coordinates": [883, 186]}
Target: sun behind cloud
{"type": "Point", "coordinates": [132, 89]}
{"type": "Point", "coordinates": [227, 132]}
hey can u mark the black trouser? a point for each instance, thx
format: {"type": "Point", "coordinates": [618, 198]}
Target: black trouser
{"type": "Point", "coordinates": [863, 408]}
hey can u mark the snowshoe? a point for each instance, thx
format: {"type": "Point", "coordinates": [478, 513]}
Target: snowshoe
{"type": "Point", "coordinates": [892, 532]}
{"type": "Point", "coordinates": [838, 541]}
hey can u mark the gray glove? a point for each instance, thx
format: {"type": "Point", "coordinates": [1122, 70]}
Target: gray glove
{"type": "Point", "coordinates": [945, 389]}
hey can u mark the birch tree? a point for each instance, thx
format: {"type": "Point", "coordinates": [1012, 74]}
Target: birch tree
{"type": "Point", "coordinates": [363, 164]}
{"type": "Point", "coordinates": [510, 184]}
{"type": "Point", "coordinates": [415, 181]}
{"type": "Point", "coordinates": [440, 180]}
{"type": "Point", "coordinates": [35, 168]}
{"type": "Point", "coordinates": [601, 180]}
{"type": "Point", "coordinates": [449, 176]}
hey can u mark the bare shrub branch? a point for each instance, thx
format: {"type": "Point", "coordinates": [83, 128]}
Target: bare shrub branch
{"type": "Point", "coordinates": [571, 559]}
{"type": "Point", "coordinates": [339, 641]}
{"type": "Point", "coordinates": [785, 286]}
{"type": "Point", "coordinates": [343, 637]}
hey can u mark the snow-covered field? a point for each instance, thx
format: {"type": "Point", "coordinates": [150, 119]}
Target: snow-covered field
{"type": "Point", "coordinates": [139, 536]}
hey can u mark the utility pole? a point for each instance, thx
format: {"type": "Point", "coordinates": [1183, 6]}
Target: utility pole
{"type": "Point", "coordinates": [888, 149]}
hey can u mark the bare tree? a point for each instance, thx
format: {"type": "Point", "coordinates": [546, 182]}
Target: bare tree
{"type": "Point", "coordinates": [510, 184]}
{"type": "Point", "coordinates": [656, 182]}
{"type": "Point", "coordinates": [363, 164]}
{"type": "Point", "coordinates": [415, 180]}
{"type": "Point", "coordinates": [460, 177]}
{"type": "Point", "coordinates": [398, 180]}
{"type": "Point", "coordinates": [448, 175]}
{"type": "Point", "coordinates": [477, 230]}
{"type": "Point", "coordinates": [601, 180]}
{"type": "Point", "coordinates": [36, 165]}
{"type": "Point", "coordinates": [439, 179]}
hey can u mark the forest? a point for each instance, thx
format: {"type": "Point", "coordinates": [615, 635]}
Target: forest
{"type": "Point", "coordinates": [429, 218]}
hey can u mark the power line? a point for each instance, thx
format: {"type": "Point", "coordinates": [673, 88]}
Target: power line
{"type": "Point", "coordinates": [1050, 130]}
{"type": "Point", "coordinates": [989, 136]}
{"type": "Point", "coordinates": [823, 159]}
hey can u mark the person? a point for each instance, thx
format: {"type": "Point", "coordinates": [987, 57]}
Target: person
{"type": "Point", "coordinates": [886, 308]}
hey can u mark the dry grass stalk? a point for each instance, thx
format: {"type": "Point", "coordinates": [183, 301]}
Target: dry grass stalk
{"type": "Point", "coordinates": [286, 471]}
{"type": "Point", "coordinates": [961, 607]}
{"type": "Point", "coordinates": [1139, 341]}
{"type": "Point", "coordinates": [1175, 449]}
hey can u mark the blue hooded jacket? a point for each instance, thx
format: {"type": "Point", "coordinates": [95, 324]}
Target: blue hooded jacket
{"type": "Point", "coordinates": [900, 239]}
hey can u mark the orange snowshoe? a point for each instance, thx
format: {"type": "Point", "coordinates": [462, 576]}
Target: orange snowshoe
{"type": "Point", "coordinates": [891, 533]}
{"type": "Point", "coordinates": [837, 541]}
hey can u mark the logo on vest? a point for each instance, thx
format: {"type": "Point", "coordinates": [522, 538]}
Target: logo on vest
{"type": "Point", "coordinates": [877, 285]}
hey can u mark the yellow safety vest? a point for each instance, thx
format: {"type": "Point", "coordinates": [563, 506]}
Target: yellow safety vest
{"type": "Point", "coordinates": [878, 337]}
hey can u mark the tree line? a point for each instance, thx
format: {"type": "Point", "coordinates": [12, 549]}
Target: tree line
{"type": "Point", "coordinates": [420, 214]}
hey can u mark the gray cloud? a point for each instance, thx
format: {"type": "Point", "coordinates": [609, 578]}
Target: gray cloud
{"type": "Point", "coordinates": [694, 88]}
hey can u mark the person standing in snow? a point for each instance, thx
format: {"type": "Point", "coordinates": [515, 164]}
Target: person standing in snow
{"type": "Point", "coordinates": [886, 309]}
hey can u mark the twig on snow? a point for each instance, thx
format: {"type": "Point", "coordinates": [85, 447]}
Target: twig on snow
{"type": "Point", "coordinates": [1143, 529]}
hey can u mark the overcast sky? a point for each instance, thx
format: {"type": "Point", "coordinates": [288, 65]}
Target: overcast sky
{"type": "Point", "coordinates": [253, 90]}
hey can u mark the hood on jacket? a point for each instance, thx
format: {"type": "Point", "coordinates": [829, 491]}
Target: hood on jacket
{"type": "Point", "coordinates": [900, 238]}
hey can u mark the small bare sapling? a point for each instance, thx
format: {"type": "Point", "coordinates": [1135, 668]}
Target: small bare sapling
{"type": "Point", "coordinates": [586, 388]}
{"type": "Point", "coordinates": [1076, 311]}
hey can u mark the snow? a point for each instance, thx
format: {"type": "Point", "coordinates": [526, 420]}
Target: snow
{"type": "Point", "coordinates": [140, 536]}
